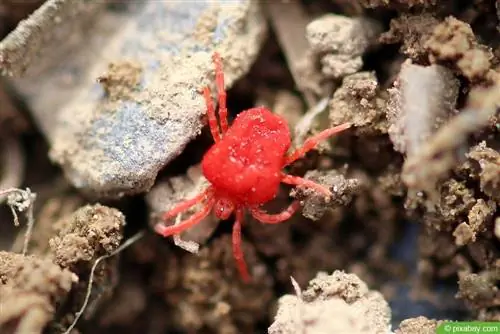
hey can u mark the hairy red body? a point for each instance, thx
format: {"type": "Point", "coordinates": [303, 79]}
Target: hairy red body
{"type": "Point", "coordinates": [246, 163]}
{"type": "Point", "coordinates": [244, 168]}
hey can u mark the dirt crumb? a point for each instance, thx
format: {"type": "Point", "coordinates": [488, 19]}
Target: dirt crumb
{"type": "Point", "coordinates": [121, 79]}
{"type": "Point", "coordinates": [456, 200]}
{"type": "Point", "coordinates": [343, 189]}
{"type": "Point", "coordinates": [478, 217]}
{"type": "Point", "coordinates": [340, 42]}
{"type": "Point", "coordinates": [334, 303]}
{"type": "Point", "coordinates": [357, 101]}
{"type": "Point", "coordinates": [418, 325]}
{"type": "Point", "coordinates": [479, 290]}
{"type": "Point", "coordinates": [31, 289]}
{"type": "Point", "coordinates": [90, 232]}
{"type": "Point", "coordinates": [453, 41]}
{"type": "Point", "coordinates": [80, 239]}
{"type": "Point", "coordinates": [412, 31]}
{"type": "Point", "coordinates": [488, 163]}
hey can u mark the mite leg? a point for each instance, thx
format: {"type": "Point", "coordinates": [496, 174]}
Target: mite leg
{"type": "Point", "coordinates": [311, 142]}
{"type": "Point", "coordinates": [299, 181]}
{"type": "Point", "coordinates": [184, 205]}
{"type": "Point", "coordinates": [219, 80]}
{"type": "Point", "coordinates": [184, 225]}
{"type": "Point", "coordinates": [237, 250]}
{"type": "Point", "coordinates": [276, 218]}
{"type": "Point", "coordinates": [212, 119]}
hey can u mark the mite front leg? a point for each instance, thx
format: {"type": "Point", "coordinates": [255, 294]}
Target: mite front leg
{"type": "Point", "coordinates": [237, 250]}
{"type": "Point", "coordinates": [275, 218]}
{"type": "Point", "coordinates": [219, 81]}
{"type": "Point", "coordinates": [311, 142]}
{"type": "Point", "coordinates": [212, 119]}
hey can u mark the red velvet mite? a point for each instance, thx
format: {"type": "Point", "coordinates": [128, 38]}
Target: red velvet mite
{"type": "Point", "coordinates": [244, 168]}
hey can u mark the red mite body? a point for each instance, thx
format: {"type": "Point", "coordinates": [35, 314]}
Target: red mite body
{"type": "Point", "coordinates": [244, 168]}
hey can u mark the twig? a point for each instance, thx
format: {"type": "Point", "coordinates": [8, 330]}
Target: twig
{"type": "Point", "coordinates": [289, 21]}
{"type": "Point", "coordinates": [296, 287]}
{"type": "Point", "coordinates": [304, 125]}
{"type": "Point", "coordinates": [125, 245]}
{"type": "Point", "coordinates": [187, 245]}
{"type": "Point", "coordinates": [21, 200]}
{"type": "Point", "coordinates": [298, 293]}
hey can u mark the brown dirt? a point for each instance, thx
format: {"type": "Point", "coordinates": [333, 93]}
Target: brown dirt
{"type": "Point", "coordinates": [204, 285]}
{"type": "Point", "coordinates": [443, 174]}
{"type": "Point", "coordinates": [73, 244]}
{"type": "Point", "coordinates": [412, 32]}
{"type": "Point", "coordinates": [359, 92]}
{"type": "Point", "coordinates": [454, 41]}
{"type": "Point", "coordinates": [31, 289]}
{"type": "Point", "coordinates": [342, 189]}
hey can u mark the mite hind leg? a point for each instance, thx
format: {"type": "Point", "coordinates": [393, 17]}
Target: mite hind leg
{"type": "Point", "coordinates": [237, 250]}
{"type": "Point", "coordinates": [275, 218]}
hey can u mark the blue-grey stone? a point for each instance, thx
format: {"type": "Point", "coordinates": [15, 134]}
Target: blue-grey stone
{"type": "Point", "coordinates": [113, 147]}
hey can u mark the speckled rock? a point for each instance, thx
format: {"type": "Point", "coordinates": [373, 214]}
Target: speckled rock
{"type": "Point", "coordinates": [122, 100]}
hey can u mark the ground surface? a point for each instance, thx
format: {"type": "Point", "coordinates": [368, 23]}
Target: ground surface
{"type": "Point", "coordinates": [108, 132]}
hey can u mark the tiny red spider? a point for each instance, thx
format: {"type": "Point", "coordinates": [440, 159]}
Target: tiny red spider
{"type": "Point", "coordinates": [244, 168]}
